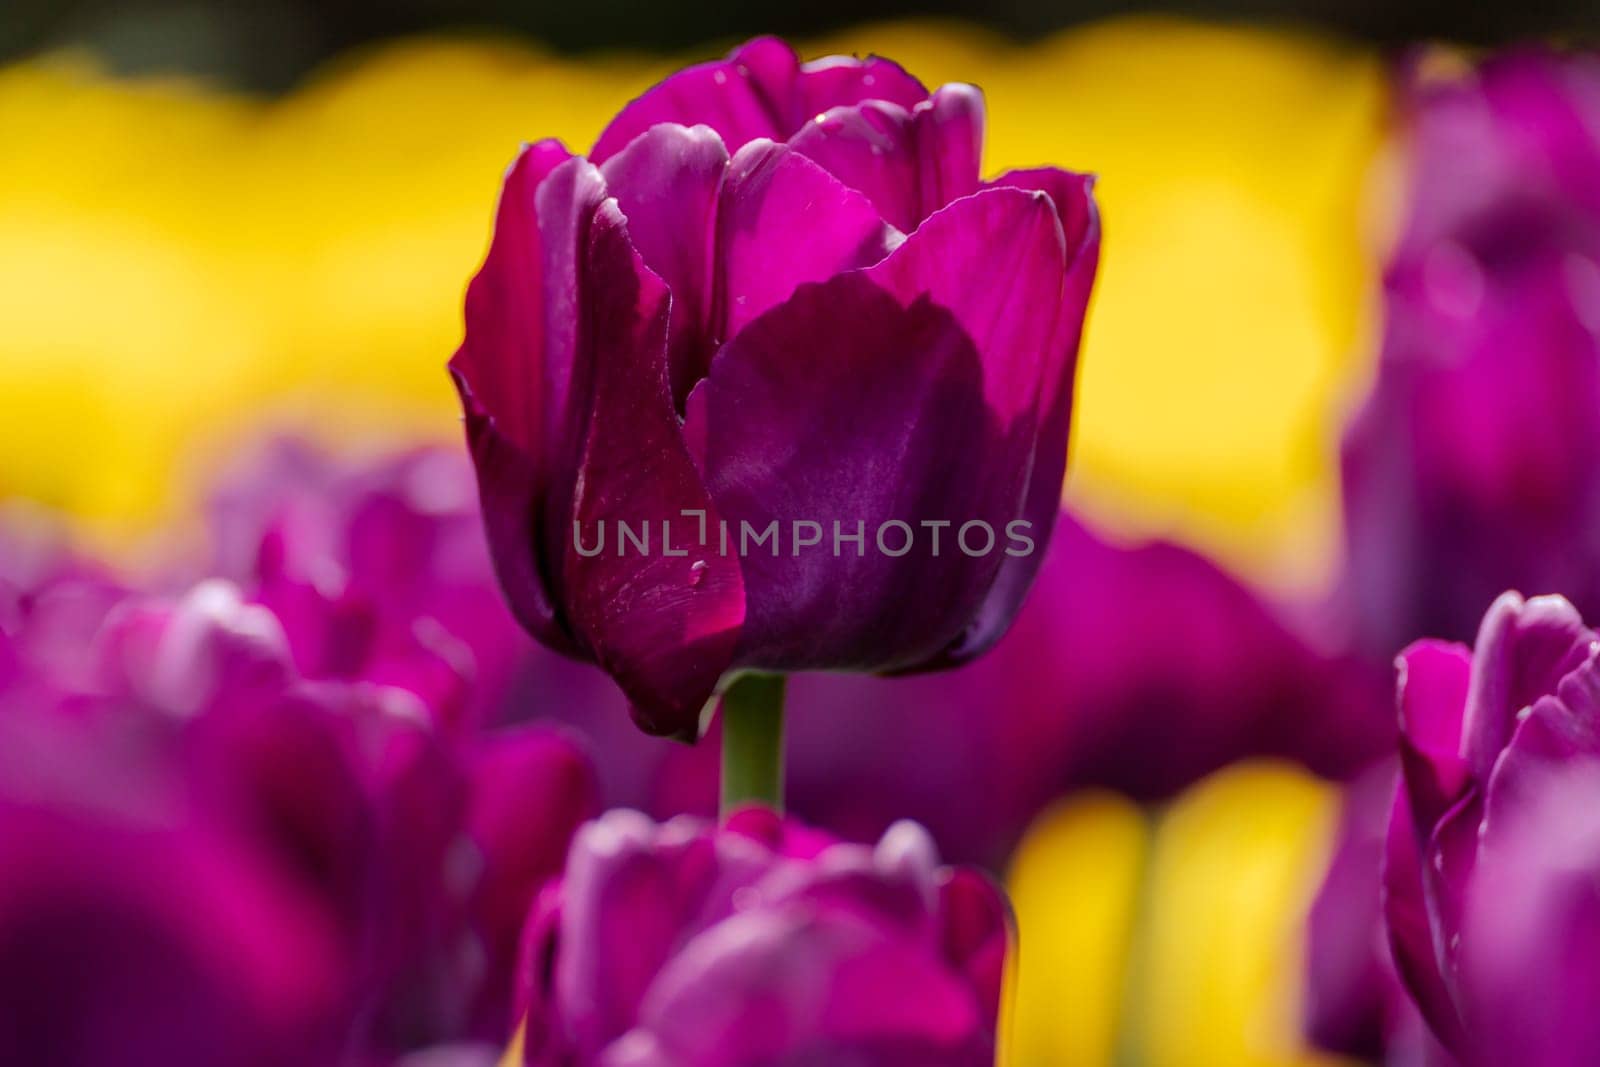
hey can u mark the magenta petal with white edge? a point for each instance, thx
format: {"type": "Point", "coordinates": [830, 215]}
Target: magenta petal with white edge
{"type": "Point", "coordinates": [1486, 738]}
{"type": "Point", "coordinates": [1524, 648]}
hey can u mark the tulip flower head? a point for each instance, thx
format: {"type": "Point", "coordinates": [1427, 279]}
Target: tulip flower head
{"type": "Point", "coordinates": [772, 380]}
{"type": "Point", "coordinates": [761, 941]}
{"type": "Point", "coordinates": [1493, 851]}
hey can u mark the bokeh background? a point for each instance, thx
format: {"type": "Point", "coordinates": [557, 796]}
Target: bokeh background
{"type": "Point", "coordinates": [223, 220]}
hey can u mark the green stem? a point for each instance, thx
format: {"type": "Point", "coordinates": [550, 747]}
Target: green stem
{"type": "Point", "coordinates": [752, 743]}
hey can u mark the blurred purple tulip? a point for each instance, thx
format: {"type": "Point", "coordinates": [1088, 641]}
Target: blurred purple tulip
{"type": "Point", "coordinates": [136, 938]}
{"type": "Point", "coordinates": [416, 847]}
{"type": "Point", "coordinates": [1531, 931]}
{"type": "Point", "coordinates": [773, 292]}
{"type": "Point", "coordinates": [1137, 668]}
{"type": "Point", "coordinates": [1356, 1005]}
{"type": "Point", "coordinates": [52, 603]}
{"type": "Point", "coordinates": [133, 928]}
{"type": "Point", "coordinates": [1491, 867]}
{"type": "Point", "coordinates": [378, 571]}
{"type": "Point", "coordinates": [1475, 465]}
{"type": "Point", "coordinates": [1472, 466]}
{"type": "Point", "coordinates": [761, 942]}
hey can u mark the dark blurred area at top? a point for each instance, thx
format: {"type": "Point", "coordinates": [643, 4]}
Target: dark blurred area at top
{"type": "Point", "coordinates": [269, 44]}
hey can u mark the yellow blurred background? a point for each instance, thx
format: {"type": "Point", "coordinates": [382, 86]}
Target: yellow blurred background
{"type": "Point", "coordinates": [180, 265]}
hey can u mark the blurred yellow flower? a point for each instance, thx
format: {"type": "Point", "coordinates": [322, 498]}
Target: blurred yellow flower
{"type": "Point", "coordinates": [1230, 306]}
{"type": "Point", "coordinates": [125, 330]}
{"type": "Point", "coordinates": [1173, 943]}
{"type": "Point", "coordinates": [1075, 888]}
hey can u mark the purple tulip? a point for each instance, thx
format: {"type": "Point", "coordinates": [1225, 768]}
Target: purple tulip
{"type": "Point", "coordinates": [416, 848]}
{"type": "Point", "coordinates": [529, 791]}
{"type": "Point", "coordinates": [151, 946]}
{"type": "Point", "coordinates": [132, 931]}
{"type": "Point", "coordinates": [1475, 465]}
{"type": "Point", "coordinates": [1492, 859]}
{"type": "Point", "coordinates": [773, 293]}
{"type": "Point", "coordinates": [760, 942]}
{"type": "Point", "coordinates": [52, 602]}
{"type": "Point", "coordinates": [378, 571]}
{"type": "Point", "coordinates": [1531, 932]}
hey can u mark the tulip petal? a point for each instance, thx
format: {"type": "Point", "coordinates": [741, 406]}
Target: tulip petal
{"type": "Point", "coordinates": [1533, 929]}
{"type": "Point", "coordinates": [1524, 649]}
{"type": "Point", "coordinates": [566, 349]}
{"type": "Point", "coordinates": [1559, 729]}
{"type": "Point", "coordinates": [781, 221]}
{"type": "Point", "coordinates": [979, 930]}
{"type": "Point", "coordinates": [1410, 928]}
{"type": "Point", "coordinates": [1351, 993]}
{"type": "Point", "coordinates": [760, 90]}
{"type": "Point", "coordinates": [667, 182]}
{"type": "Point", "coordinates": [909, 163]}
{"type": "Point", "coordinates": [1433, 681]}
{"type": "Point", "coordinates": [624, 901]}
{"type": "Point", "coordinates": [498, 372]}
{"type": "Point", "coordinates": [831, 81]}
{"type": "Point", "coordinates": [631, 889]}
{"type": "Point", "coordinates": [906, 392]}
{"type": "Point", "coordinates": [802, 985]}
{"type": "Point", "coordinates": [530, 790]}
{"type": "Point", "coordinates": [733, 238]}
{"type": "Point", "coordinates": [1073, 197]}
{"type": "Point", "coordinates": [663, 624]}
